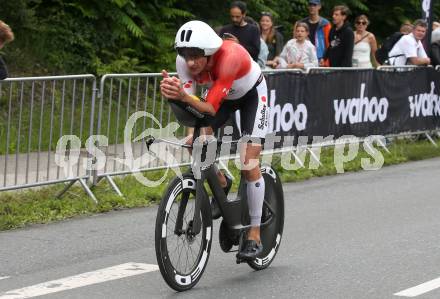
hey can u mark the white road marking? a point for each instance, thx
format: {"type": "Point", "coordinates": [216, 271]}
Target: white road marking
{"type": "Point", "coordinates": [4, 277]}
{"type": "Point", "coordinates": [81, 280]}
{"type": "Point", "coordinates": [420, 289]}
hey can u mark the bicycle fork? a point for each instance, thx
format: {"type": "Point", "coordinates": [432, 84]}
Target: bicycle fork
{"type": "Point", "coordinates": [196, 226]}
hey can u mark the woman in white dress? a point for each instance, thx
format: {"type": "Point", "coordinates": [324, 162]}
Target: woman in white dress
{"type": "Point", "coordinates": [299, 52]}
{"type": "Point", "coordinates": [365, 45]}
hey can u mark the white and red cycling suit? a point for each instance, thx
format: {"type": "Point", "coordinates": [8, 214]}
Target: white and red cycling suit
{"type": "Point", "coordinates": [234, 82]}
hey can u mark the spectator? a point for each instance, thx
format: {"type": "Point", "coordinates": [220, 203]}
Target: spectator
{"type": "Point", "coordinates": [299, 52]}
{"type": "Point", "coordinates": [264, 51]}
{"type": "Point", "coordinates": [435, 50]}
{"type": "Point", "coordinates": [262, 56]}
{"type": "Point", "coordinates": [409, 49]}
{"type": "Point", "coordinates": [435, 35]}
{"type": "Point", "coordinates": [406, 28]}
{"type": "Point", "coordinates": [6, 36]}
{"type": "Point", "coordinates": [365, 45]}
{"type": "Point", "coordinates": [319, 28]}
{"type": "Point", "coordinates": [340, 51]}
{"type": "Point", "coordinates": [242, 32]}
{"type": "Point", "coordinates": [382, 54]}
{"type": "Point", "coordinates": [273, 39]}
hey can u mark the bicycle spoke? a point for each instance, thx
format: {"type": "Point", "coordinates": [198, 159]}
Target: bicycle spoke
{"type": "Point", "coordinates": [186, 262]}
{"type": "Point", "coordinates": [192, 253]}
{"type": "Point", "coordinates": [183, 252]}
{"type": "Point", "coordinates": [174, 251]}
{"type": "Point", "coordinates": [180, 254]}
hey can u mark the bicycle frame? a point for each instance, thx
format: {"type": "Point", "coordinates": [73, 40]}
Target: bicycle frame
{"type": "Point", "coordinates": [235, 212]}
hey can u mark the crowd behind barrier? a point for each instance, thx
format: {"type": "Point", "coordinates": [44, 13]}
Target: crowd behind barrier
{"type": "Point", "coordinates": [38, 111]}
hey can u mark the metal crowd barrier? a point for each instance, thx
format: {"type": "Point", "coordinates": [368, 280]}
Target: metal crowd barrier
{"type": "Point", "coordinates": [37, 111]}
{"type": "Point", "coordinates": [120, 95]}
{"type": "Point", "coordinates": [390, 68]}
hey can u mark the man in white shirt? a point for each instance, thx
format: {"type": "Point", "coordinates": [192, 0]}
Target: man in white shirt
{"type": "Point", "coordinates": [409, 49]}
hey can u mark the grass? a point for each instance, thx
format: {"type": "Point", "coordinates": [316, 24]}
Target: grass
{"type": "Point", "coordinates": [22, 208]}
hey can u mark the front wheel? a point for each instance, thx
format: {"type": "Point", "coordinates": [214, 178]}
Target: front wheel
{"type": "Point", "coordinates": [273, 215]}
{"type": "Point", "coordinates": [181, 255]}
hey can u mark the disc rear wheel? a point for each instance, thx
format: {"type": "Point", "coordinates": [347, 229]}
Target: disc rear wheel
{"type": "Point", "coordinates": [272, 219]}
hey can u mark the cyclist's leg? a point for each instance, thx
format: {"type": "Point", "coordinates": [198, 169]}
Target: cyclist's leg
{"type": "Point", "coordinates": [222, 115]}
{"type": "Point", "coordinates": [255, 187]}
{"type": "Point", "coordinates": [254, 123]}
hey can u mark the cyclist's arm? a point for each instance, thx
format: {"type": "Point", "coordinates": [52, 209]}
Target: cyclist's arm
{"type": "Point", "coordinates": [219, 91]}
{"type": "Point", "coordinates": [188, 82]}
{"type": "Point", "coordinates": [196, 103]}
{"type": "Point", "coordinates": [183, 88]}
{"type": "Point", "coordinates": [171, 88]}
{"type": "Point", "coordinates": [227, 73]}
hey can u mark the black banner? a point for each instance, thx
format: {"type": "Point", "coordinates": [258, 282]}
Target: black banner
{"type": "Point", "coordinates": [360, 103]}
{"type": "Point", "coordinates": [427, 13]}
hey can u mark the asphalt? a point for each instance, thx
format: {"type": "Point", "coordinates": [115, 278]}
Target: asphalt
{"type": "Point", "coordinates": [368, 234]}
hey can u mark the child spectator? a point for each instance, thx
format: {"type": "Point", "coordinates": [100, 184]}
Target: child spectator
{"type": "Point", "coordinates": [299, 52]}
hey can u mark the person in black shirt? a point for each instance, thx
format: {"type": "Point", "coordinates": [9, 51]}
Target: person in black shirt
{"type": "Point", "coordinates": [340, 51]}
{"type": "Point", "coordinates": [248, 35]}
{"type": "Point", "coordinates": [6, 36]}
{"type": "Point", "coordinates": [319, 28]}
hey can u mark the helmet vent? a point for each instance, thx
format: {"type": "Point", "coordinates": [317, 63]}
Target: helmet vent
{"type": "Point", "coordinates": [182, 35]}
{"type": "Point", "coordinates": [188, 35]}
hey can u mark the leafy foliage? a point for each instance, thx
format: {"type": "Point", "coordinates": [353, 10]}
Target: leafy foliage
{"type": "Point", "coordinates": [102, 36]}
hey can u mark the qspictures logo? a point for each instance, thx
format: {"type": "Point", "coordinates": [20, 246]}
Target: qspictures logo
{"type": "Point", "coordinates": [66, 157]}
{"type": "Point", "coordinates": [346, 149]}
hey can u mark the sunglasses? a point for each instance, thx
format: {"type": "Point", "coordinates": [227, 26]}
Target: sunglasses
{"type": "Point", "coordinates": [266, 13]}
{"type": "Point", "coordinates": [361, 23]}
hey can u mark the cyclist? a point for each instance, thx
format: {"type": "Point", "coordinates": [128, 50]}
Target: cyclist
{"type": "Point", "coordinates": [235, 82]}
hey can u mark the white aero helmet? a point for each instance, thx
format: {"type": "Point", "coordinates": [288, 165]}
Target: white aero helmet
{"type": "Point", "coordinates": [198, 34]}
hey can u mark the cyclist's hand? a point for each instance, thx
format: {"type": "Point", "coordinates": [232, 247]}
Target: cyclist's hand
{"type": "Point", "coordinates": [171, 88]}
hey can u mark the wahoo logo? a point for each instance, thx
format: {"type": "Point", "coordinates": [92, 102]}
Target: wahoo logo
{"type": "Point", "coordinates": [360, 110]}
{"type": "Point", "coordinates": [424, 104]}
{"type": "Point", "coordinates": [284, 118]}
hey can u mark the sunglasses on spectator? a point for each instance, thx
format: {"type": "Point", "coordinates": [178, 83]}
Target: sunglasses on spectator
{"type": "Point", "coordinates": [361, 23]}
{"type": "Point", "coordinates": [266, 13]}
